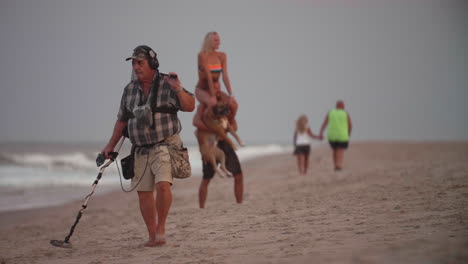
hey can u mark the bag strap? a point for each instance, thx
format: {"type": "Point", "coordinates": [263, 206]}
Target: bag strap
{"type": "Point", "coordinates": [154, 93]}
{"type": "Point", "coordinates": [154, 97]}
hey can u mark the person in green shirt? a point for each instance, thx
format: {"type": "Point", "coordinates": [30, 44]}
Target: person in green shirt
{"type": "Point", "coordinates": [338, 133]}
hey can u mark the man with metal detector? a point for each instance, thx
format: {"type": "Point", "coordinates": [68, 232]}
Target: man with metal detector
{"type": "Point", "coordinates": [148, 112]}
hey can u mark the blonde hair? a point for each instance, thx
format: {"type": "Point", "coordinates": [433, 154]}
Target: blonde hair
{"type": "Point", "coordinates": [207, 44]}
{"type": "Point", "coordinates": [301, 123]}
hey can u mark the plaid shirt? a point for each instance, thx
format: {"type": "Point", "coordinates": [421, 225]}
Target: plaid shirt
{"type": "Point", "coordinates": [166, 124]}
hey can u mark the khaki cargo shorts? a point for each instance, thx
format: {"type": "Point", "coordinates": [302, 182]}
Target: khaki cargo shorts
{"type": "Point", "coordinates": [153, 165]}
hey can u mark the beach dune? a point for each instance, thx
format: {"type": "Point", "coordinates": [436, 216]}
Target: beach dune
{"type": "Point", "coordinates": [395, 202]}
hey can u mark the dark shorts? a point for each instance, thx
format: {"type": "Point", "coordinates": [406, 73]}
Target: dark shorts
{"type": "Point", "coordinates": [232, 162]}
{"type": "Point", "coordinates": [302, 149]}
{"type": "Point", "coordinates": [338, 145]}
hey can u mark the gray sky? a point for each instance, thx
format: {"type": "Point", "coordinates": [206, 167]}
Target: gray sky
{"type": "Point", "coordinates": [400, 66]}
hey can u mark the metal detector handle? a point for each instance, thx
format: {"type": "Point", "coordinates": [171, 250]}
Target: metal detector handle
{"type": "Point", "coordinates": [113, 155]}
{"type": "Point", "coordinates": [101, 158]}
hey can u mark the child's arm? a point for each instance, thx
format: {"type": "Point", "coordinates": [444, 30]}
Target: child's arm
{"type": "Point", "coordinates": [312, 135]}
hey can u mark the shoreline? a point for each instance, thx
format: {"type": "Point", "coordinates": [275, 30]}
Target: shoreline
{"type": "Point", "coordinates": [393, 203]}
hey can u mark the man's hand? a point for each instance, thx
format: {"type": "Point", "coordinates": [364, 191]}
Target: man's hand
{"type": "Point", "coordinates": [174, 81]}
{"type": "Point", "coordinates": [108, 149]}
{"type": "Point", "coordinates": [187, 102]}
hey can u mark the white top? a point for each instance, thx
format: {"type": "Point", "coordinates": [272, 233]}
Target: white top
{"type": "Point", "coordinates": [302, 138]}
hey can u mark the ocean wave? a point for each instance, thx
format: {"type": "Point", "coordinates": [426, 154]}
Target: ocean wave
{"type": "Point", "coordinates": [83, 161]}
{"type": "Point", "coordinates": [79, 168]}
{"type": "Point", "coordinates": [71, 161]}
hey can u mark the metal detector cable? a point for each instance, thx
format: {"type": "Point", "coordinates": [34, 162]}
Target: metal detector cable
{"type": "Point", "coordinates": [142, 174]}
{"type": "Point", "coordinates": [141, 177]}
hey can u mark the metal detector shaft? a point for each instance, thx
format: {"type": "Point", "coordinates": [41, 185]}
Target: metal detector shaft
{"type": "Point", "coordinates": [85, 204]}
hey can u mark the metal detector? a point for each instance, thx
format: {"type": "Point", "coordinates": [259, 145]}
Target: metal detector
{"type": "Point", "coordinates": [99, 161]}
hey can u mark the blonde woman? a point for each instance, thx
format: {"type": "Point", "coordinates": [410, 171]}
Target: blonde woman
{"type": "Point", "coordinates": [212, 65]}
{"type": "Point", "coordinates": [302, 136]}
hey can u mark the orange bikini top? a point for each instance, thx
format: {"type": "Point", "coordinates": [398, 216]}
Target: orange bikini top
{"type": "Point", "coordinates": [215, 67]}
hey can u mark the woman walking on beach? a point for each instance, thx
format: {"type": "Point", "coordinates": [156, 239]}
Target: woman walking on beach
{"type": "Point", "coordinates": [212, 65]}
{"type": "Point", "coordinates": [302, 136]}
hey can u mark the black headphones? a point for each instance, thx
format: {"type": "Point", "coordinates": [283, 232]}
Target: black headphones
{"type": "Point", "coordinates": [150, 54]}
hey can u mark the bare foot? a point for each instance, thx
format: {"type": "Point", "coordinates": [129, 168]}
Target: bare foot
{"type": "Point", "coordinates": [155, 243]}
{"type": "Point", "coordinates": [160, 240]}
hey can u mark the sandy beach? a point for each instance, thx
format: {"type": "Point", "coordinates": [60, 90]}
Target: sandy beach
{"type": "Point", "coordinates": [395, 202]}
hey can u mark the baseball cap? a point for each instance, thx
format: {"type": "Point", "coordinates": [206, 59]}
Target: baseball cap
{"type": "Point", "coordinates": [141, 53]}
